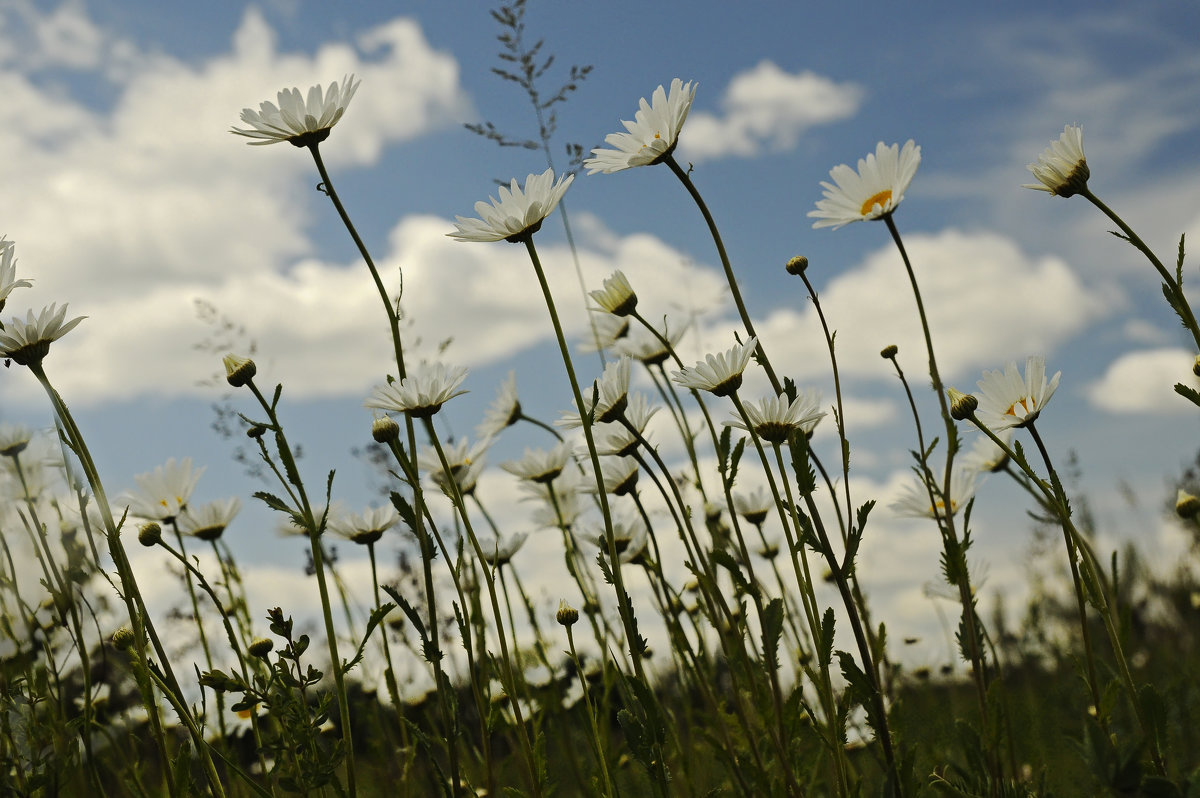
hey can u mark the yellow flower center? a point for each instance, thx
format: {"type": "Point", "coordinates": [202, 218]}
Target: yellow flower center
{"type": "Point", "coordinates": [1027, 404]}
{"type": "Point", "coordinates": [881, 199]}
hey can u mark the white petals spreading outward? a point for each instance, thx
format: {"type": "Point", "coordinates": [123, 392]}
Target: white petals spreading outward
{"type": "Point", "coordinates": [503, 412]}
{"type": "Point", "coordinates": [617, 297]}
{"type": "Point", "coordinates": [651, 136]}
{"type": "Point", "coordinates": [8, 271]}
{"type": "Point", "coordinates": [422, 393]}
{"type": "Point", "coordinates": [874, 191]}
{"type": "Point", "coordinates": [29, 341]}
{"type": "Point", "coordinates": [719, 374]}
{"type": "Point", "coordinates": [774, 418]}
{"type": "Point", "coordinates": [365, 527]}
{"type": "Point", "coordinates": [1006, 400]}
{"type": "Point", "coordinates": [498, 552]}
{"type": "Point", "coordinates": [540, 465]}
{"type": "Point", "coordinates": [914, 500]}
{"type": "Point", "coordinates": [518, 213]}
{"type": "Point", "coordinates": [163, 493]}
{"type": "Point", "coordinates": [300, 120]}
{"type": "Point", "coordinates": [1061, 169]}
{"type": "Point", "coordinates": [612, 397]}
{"type": "Point", "coordinates": [208, 521]}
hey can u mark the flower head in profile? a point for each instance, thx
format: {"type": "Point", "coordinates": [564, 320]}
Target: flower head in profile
{"type": "Point", "coordinates": [464, 460]}
{"type": "Point", "coordinates": [875, 190]}
{"type": "Point", "coordinates": [299, 119]}
{"type": "Point", "coordinates": [775, 418]}
{"type": "Point", "coordinates": [365, 527]}
{"type": "Point", "coordinates": [720, 374]}
{"type": "Point", "coordinates": [503, 412]}
{"type": "Point", "coordinates": [14, 439]}
{"type": "Point", "coordinates": [614, 438]}
{"type": "Point", "coordinates": [611, 397]}
{"type": "Point", "coordinates": [1008, 400]}
{"type": "Point", "coordinates": [985, 455]}
{"type": "Point", "coordinates": [651, 136]}
{"type": "Point", "coordinates": [497, 552]}
{"type": "Point", "coordinates": [754, 506]}
{"type": "Point", "coordinates": [208, 521]}
{"type": "Point", "coordinates": [540, 465]}
{"type": "Point", "coordinates": [518, 213]}
{"type": "Point", "coordinates": [617, 297]}
{"type": "Point", "coordinates": [8, 271]}
{"type": "Point", "coordinates": [619, 475]}
{"type": "Point", "coordinates": [422, 393]}
{"type": "Point", "coordinates": [162, 494]}
{"type": "Point", "coordinates": [648, 348]}
{"type": "Point", "coordinates": [1061, 169]}
{"type": "Point", "coordinates": [914, 498]}
{"type": "Point", "coordinates": [630, 537]}
{"type": "Point", "coordinates": [28, 341]}
{"type": "Point", "coordinates": [608, 331]}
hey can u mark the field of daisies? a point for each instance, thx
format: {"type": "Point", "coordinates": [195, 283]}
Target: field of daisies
{"type": "Point", "coordinates": [714, 641]}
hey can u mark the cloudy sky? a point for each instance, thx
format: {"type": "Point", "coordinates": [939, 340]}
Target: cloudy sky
{"type": "Point", "coordinates": [128, 198]}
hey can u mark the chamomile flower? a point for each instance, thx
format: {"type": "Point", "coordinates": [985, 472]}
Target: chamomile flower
{"type": "Point", "coordinates": [615, 438]}
{"type": "Point", "coordinates": [8, 271]}
{"type": "Point", "coordinates": [611, 397]}
{"type": "Point", "coordinates": [774, 418]}
{"type": "Point", "coordinates": [630, 537]}
{"type": "Point", "coordinates": [914, 498]}
{"type": "Point", "coordinates": [422, 393]}
{"type": "Point", "coordinates": [1008, 400]}
{"type": "Point", "coordinates": [649, 348]}
{"type": "Point", "coordinates": [497, 552]}
{"type": "Point", "coordinates": [162, 494]}
{"type": "Point", "coordinates": [1061, 169]}
{"type": "Point", "coordinates": [753, 506]}
{"type": "Point", "coordinates": [464, 460]}
{"type": "Point", "coordinates": [518, 213]}
{"type": "Point", "coordinates": [540, 465]}
{"type": "Point", "coordinates": [503, 412]}
{"type": "Point", "coordinates": [608, 331]}
{"type": "Point", "coordinates": [208, 521]}
{"type": "Point", "coordinates": [985, 455]}
{"type": "Point", "coordinates": [617, 297]}
{"type": "Point", "coordinates": [651, 136]}
{"type": "Point", "coordinates": [619, 474]}
{"type": "Point", "coordinates": [14, 438]}
{"type": "Point", "coordinates": [720, 374]}
{"type": "Point", "coordinates": [299, 119]}
{"type": "Point", "coordinates": [365, 527]}
{"type": "Point", "coordinates": [28, 341]}
{"type": "Point", "coordinates": [875, 190]}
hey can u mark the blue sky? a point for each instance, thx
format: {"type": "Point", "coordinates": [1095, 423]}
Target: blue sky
{"type": "Point", "coordinates": [128, 198]}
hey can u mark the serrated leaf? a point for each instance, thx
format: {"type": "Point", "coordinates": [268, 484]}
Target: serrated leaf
{"type": "Point", "coordinates": [376, 616]}
{"type": "Point", "coordinates": [772, 629]}
{"type": "Point", "coordinates": [825, 639]}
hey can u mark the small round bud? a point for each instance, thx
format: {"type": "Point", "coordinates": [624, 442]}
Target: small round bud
{"type": "Point", "coordinates": [797, 265]}
{"type": "Point", "coordinates": [123, 639]}
{"type": "Point", "coordinates": [384, 429]}
{"type": "Point", "coordinates": [1196, 366]}
{"type": "Point", "coordinates": [566, 615]}
{"type": "Point", "coordinates": [889, 351]}
{"type": "Point", "coordinates": [1187, 505]}
{"type": "Point", "coordinates": [261, 647]}
{"type": "Point", "coordinates": [150, 534]}
{"type": "Point", "coordinates": [962, 405]}
{"type": "Point", "coordinates": [239, 370]}
{"type": "Point", "coordinates": [256, 431]}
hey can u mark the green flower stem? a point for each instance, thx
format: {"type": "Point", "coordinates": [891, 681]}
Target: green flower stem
{"type": "Point", "coordinates": [597, 740]}
{"type": "Point", "coordinates": [191, 586]}
{"type": "Point", "coordinates": [670, 161]}
{"type": "Point", "coordinates": [139, 617]}
{"type": "Point", "coordinates": [506, 662]}
{"type": "Point", "coordinates": [389, 675]}
{"type": "Point", "coordinates": [1176, 289]}
{"type": "Point", "coordinates": [314, 529]}
{"type": "Point", "coordinates": [392, 314]}
{"type": "Point", "coordinates": [624, 604]}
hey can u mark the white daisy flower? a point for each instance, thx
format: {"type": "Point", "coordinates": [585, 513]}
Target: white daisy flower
{"type": "Point", "coordinates": [8, 271]}
{"type": "Point", "coordinates": [1006, 400]}
{"type": "Point", "coordinates": [720, 374]}
{"type": "Point", "coordinates": [540, 465]}
{"type": "Point", "coordinates": [208, 521]}
{"type": "Point", "coordinates": [611, 392]}
{"type": "Point", "coordinates": [558, 501]}
{"type": "Point", "coordinates": [608, 331]}
{"type": "Point", "coordinates": [615, 438]}
{"type": "Point", "coordinates": [985, 455]}
{"type": "Point", "coordinates": [518, 213]}
{"type": "Point", "coordinates": [28, 341]}
{"type": "Point", "coordinates": [874, 191]}
{"type": "Point", "coordinates": [648, 348]}
{"type": "Point", "coordinates": [620, 475]}
{"type": "Point", "coordinates": [753, 506]}
{"type": "Point", "coordinates": [914, 498]}
{"type": "Point", "coordinates": [651, 136]}
{"type": "Point", "coordinates": [1061, 169]}
{"type": "Point", "coordinates": [774, 418]}
{"type": "Point", "coordinates": [422, 393]}
{"type": "Point", "coordinates": [503, 412]}
{"type": "Point", "coordinates": [162, 494]}
{"type": "Point", "coordinates": [14, 438]}
{"type": "Point", "coordinates": [630, 537]}
{"type": "Point", "coordinates": [367, 526]}
{"type": "Point", "coordinates": [465, 461]}
{"type": "Point", "coordinates": [497, 552]}
{"type": "Point", "coordinates": [299, 119]}
{"type": "Point", "coordinates": [617, 297]}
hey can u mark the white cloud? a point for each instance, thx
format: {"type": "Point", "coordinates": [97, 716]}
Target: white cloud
{"type": "Point", "coordinates": [987, 301]}
{"type": "Point", "coordinates": [1143, 382]}
{"type": "Point", "coordinates": [766, 109]}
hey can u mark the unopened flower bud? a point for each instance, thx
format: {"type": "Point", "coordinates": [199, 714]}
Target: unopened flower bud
{"type": "Point", "coordinates": [239, 370]}
{"type": "Point", "coordinates": [1196, 366]}
{"type": "Point", "coordinates": [384, 429]}
{"type": "Point", "coordinates": [797, 265]}
{"type": "Point", "coordinates": [889, 351]}
{"type": "Point", "coordinates": [566, 615]}
{"type": "Point", "coordinates": [123, 639]}
{"type": "Point", "coordinates": [962, 405]}
{"type": "Point", "coordinates": [261, 647]}
{"type": "Point", "coordinates": [150, 534]}
{"type": "Point", "coordinates": [1187, 505]}
{"type": "Point", "coordinates": [256, 431]}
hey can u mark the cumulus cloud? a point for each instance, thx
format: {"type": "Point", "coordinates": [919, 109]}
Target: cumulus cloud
{"type": "Point", "coordinates": [1143, 382]}
{"type": "Point", "coordinates": [766, 109]}
{"type": "Point", "coordinates": [987, 301]}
